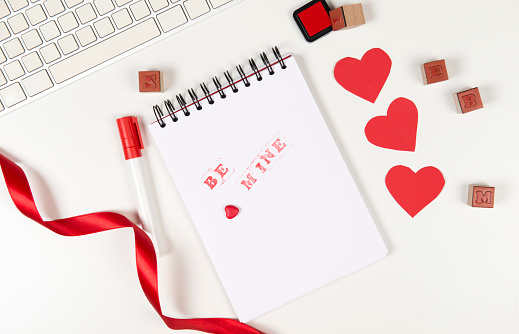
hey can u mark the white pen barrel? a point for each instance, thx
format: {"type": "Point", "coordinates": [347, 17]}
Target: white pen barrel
{"type": "Point", "coordinates": [145, 206]}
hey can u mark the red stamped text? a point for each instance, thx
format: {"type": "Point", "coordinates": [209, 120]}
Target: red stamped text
{"type": "Point", "coordinates": [264, 161]}
{"type": "Point", "coordinates": [216, 175]}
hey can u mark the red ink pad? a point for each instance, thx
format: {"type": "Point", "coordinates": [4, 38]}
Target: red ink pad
{"type": "Point", "coordinates": [313, 19]}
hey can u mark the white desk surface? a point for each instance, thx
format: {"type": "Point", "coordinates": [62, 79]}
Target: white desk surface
{"type": "Point", "coordinates": [451, 269]}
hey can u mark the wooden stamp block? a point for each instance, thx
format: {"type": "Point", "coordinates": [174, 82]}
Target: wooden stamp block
{"type": "Point", "coordinates": [150, 81]}
{"type": "Point", "coordinates": [353, 15]}
{"type": "Point", "coordinates": [468, 100]}
{"type": "Point", "coordinates": [337, 17]}
{"type": "Point", "coordinates": [481, 196]}
{"type": "Point", "coordinates": [347, 16]}
{"type": "Point", "coordinates": [435, 71]}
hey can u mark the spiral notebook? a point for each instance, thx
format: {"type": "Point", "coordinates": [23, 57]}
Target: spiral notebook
{"type": "Point", "coordinates": [259, 143]}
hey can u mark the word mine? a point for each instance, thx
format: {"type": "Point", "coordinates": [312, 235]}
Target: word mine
{"type": "Point", "coordinates": [264, 161]}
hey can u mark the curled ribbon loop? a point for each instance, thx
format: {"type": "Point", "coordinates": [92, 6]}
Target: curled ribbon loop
{"type": "Point", "coordinates": [21, 194]}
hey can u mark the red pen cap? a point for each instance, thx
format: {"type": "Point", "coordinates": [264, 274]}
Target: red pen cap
{"type": "Point", "coordinates": [130, 137]}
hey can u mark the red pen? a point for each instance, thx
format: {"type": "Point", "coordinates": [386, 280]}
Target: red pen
{"type": "Point", "coordinates": [132, 145]}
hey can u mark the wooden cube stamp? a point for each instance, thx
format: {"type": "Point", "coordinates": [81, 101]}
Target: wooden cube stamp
{"type": "Point", "coordinates": [481, 196]}
{"type": "Point", "coordinates": [347, 16]}
{"type": "Point", "coordinates": [337, 17]}
{"type": "Point", "coordinates": [434, 71]}
{"type": "Point", "coordinates": [353, 15]}
{"type": "Point", "coordinates": [150, 81]}
{"type": "Point", "coordinates": [468, 100]}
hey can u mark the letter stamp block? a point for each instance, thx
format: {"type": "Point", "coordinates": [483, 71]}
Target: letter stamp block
{"type": "Point", "coordinates": [481, 196]}
{"type": "Point", "coordinates": [434, 71]}
{"type": "Point", "coordinates": [347, 16]}
{"type": "Point", "coordinates": [337, 17]}
{"type": "Point", "coordinates": [353, 15]}
{"type": "Point", "coordinates": [468, 100]}
{"type": "Point", "coordinates": [150, 81]}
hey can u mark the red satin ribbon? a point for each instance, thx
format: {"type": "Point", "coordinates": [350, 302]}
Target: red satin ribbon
{"type": "Point", "coordinates": [21, 195]}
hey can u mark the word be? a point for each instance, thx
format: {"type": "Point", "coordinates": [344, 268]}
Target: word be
{"type": "Point", "coordinates": [217, 175]}
{"type": "Point", "coordinates": [264, 161]}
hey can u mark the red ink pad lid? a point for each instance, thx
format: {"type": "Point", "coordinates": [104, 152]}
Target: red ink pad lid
{"type": "Point", "coordinates": [313, 19]}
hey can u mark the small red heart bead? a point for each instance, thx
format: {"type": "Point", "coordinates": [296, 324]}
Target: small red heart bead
{"type": "Point", "coordinates": [231, 211]}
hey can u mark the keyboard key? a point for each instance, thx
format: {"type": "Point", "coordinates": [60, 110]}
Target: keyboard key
{"type": "Point", "coordinates": [49, 30]}
{"type": "Point", "coordinates": [68, 22]}
{"type": "Point", "coordinates": [218, 3]}
{"type": "Point", "coordinates": [104, 50]}
{"type": "Point", "coordinates": [72, 3]}
{"type": "Point", "coordinates": [50, 53]}
{"type": "Point", "coordinates": [104, 6]}
{"type": "Point", "coordinates": [140, 10]}
{"type": "Point", "coordinates": [4, 10]}
{"type": "Point", "coordinates": [16, 5]}
{"type": "Point", "coordinates": [4, 32]}
{"type": "Point", "coordinates": [119, 2]}
{"type": "Point", "coordinates": [35, 14]}
{"type": "Point", "coordinates": [31, 39]}
{"type": "Point", "coordinates": [13, 48]}
{"type": "Point", "coordinates": [32, 61]}
{"type": "Point", "coordinates": [122, 18]}
{"type": "Point", "coordinates": [17, 23]}
{"type": "Point", "coordinates": [157, 5]}
{"type": "Point", "coordinates": [1, 106]}
{"type": "Point", "coordinates": [86, 35]}
{"type": "Point", "coordinates": [54, 7]}
{"type": "Point", "coordinates": [2, 57]}
{"type": "Point", "coordinates": [172, 18]}
{"type": "Point", "coordinates": [3, 80]}
{"type": "Point", "coordinates": [12, 94]}
{"type": "Point", "coordinates": [68, 44]}
{"type": "Point", "coordinates": [86, 13]}
{"type": "Point", "coordinates": [14, 70]}
{"type": "Point", "coordinates": [37, 83]}
{"type": "Point", "coordinates": [196, 8]}
{"type": "Point", "coordinates": [104, 27]}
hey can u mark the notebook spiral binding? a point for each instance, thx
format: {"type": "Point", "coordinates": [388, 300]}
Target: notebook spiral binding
{"type": "Point", "coordinates": [219, 89]}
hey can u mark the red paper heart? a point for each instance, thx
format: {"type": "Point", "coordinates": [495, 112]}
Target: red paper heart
{"type": "Point", "coordinates": [366, 77]}
{"type": "Point", "coordinates": [397, 130]}
{"type": "Point", "coordinates": [231, 211]}
{"type": "Point", "coordinates": [414, 191]}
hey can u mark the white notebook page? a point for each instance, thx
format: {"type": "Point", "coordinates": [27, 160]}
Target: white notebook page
{"type": "Point", "coordinates": [267, 150]}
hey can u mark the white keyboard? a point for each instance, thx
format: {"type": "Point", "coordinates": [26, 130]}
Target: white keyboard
{"type": "Point", "coordinates": [45, 44]}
